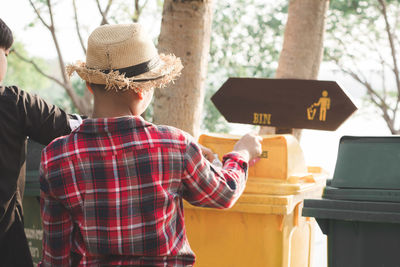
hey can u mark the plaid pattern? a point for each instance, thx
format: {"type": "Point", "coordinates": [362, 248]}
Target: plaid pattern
{"type": "Point", "coordinates": [111, 193]}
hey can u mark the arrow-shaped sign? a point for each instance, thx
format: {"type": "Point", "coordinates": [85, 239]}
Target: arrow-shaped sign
{"type": "Point", "coordinates": [285, 103]}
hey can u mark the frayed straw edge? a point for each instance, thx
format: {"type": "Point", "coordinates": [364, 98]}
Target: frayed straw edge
{"type": "Point", "coordinates": [118, 82]}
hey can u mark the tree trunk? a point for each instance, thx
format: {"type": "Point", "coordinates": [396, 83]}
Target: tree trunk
{"type": "Point", "coordinates": [185, 31]}
{"type": "Point", "coordinates": [302, 50]}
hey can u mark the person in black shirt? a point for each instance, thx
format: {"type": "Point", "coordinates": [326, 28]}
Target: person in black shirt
{"type": "Point", "coordinates": [22, 115]}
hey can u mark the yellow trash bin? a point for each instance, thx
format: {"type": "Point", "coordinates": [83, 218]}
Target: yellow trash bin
{"type": "Point", "coordinates": [264, 227]}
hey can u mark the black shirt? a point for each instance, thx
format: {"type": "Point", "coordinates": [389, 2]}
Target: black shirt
{"type": "Point", "coordinates": [22, 115]}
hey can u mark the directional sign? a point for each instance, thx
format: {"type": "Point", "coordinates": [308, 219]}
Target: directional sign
{"type": "Point", "coordinates": [284, 103]}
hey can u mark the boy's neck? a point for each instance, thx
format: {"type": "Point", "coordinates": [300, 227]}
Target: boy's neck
{"type": "Point", "coordinates": [119, 104]}
{"type": "Point", "coordinates": [109, 114]}
{"type": "Point", "coordinates": [107, 108]}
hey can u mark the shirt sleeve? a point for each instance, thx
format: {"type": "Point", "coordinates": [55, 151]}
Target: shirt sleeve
{"type": "Point", "coordinates": [42, 122]}
{"type": "Point", "coordinates": [209, 186]}
{"type": "Point", "coordinates": [57, 226]}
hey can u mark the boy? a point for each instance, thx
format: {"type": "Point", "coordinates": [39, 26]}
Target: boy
{"type": "Point", "coordinates": [21, 115]}
{"type": "Point", "coordinates": [111, 191]}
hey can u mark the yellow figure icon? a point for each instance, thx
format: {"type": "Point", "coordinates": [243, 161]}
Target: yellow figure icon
{"type": "Point", "coordinates": [324, 104]}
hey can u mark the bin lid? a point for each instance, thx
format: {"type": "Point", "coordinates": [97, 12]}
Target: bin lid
{"type": "Point", "coordinates": [262, 203]}
{"type": "Point", "coordinates": [279, 181]}
{"type": "Point", "coordinates": [381, 195]}
{"type": "Point", "coordinates": [256, 199]}
{"type": "Point", "coordinates": [268, 196]}
{"type": "Point", "coordinates": [367, 211]}
{"type": "Point", "coordinates": [282, 156]}
{"type": "Point", "coordinates": [368, 163]}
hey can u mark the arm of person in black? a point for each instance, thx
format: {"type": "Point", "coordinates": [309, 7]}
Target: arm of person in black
{"type": "Point", "coordinates": [42, 121]}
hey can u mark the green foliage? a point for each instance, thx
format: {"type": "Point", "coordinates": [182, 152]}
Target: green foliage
{"type": "Point", "coordinates": [149, 112]}
{"type": "Point", "coordinates": [23, 74]}
{"type": "Point", "coordinates": [64, 101]}
{"type": "Point", "coordinates": [160, 3]}
{"type": "Point", "coordinates": [356, 7]}
{"type": "Point", "coordinates": [350, 7]}
{"type": "Point", "coordinates": [213, 122]}
{"type": "Point", "coordinates": [79, 86]}
{"type": "Point", "coordinates": [246, 41]}
{"type": "Point", "coordinates": [357, 41]}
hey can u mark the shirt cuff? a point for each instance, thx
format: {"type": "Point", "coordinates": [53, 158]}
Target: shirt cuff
{"type": "Point", "coordinates": [74, 121]}
{"type": "Point", "coordinates": [235, 156]}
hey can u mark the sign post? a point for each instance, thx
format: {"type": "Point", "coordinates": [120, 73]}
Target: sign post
{"type": "Point", "coordinates": [284, 103]}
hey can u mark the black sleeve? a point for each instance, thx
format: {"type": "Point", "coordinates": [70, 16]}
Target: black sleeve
{"type": "Point", "coordinates": [41, 121]}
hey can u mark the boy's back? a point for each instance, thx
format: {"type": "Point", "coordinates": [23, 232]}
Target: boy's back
{"type": "Point", "coordinates": [112, 191]}
{"type": "Point", "coordinates": [115, 186]}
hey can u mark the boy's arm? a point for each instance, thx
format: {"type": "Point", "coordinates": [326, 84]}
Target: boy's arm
{"type": "Point", "coordinates": [42, 122]}
{"type": "Point", "coordinates": [57, 226]}
{"type": "Point", "coordinates": [207, 186]}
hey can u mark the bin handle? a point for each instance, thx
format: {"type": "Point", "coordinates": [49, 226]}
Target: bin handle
{"type": "Point", "coordinates": [307, 178]}
{"type": "Point", "coordinates": [280, 222]}
{"type": "Point", "coordinates": [296, 214]}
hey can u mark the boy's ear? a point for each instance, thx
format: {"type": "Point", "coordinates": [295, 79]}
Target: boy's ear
{"type": "Point", "coordinates": [140, 95]}
{"type": "Point", "coordinates": [89, 87]}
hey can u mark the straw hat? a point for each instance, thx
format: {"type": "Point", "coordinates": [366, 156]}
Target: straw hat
{"type": "Point", "coordinates": [123, 57]}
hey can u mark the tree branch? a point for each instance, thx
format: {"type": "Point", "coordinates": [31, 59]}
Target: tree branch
{"type": "Point", "coordinates": [142, 7]}
{"type": "Point", "coordinates": [385, 114]}
{"type": "Point", "coordinates": [138, 10]}
{"type": "Point", "coordinates": [55, 40]}
{"type": "Point", "coordinates": [395, 110]}
{"type": "Point", "coordinates": [77, 27]}
{"type": "Point", "coordinates": [392, 46]}
{"type": "Point", "coordinates": [389, 121]}
{"type": "Point", "coordinates": [136, 13]}
{"type": "Point", "coordinates": [108, 7]}
{"type": "Point", "coordinates": [38, 15]}
{"type": "Point", "coordinates": [69, 89]}
{"type": "Point", "coordinates": [396, 23]}
{"type": "Point", "coordinates": [383, 81]}
{"type": "Point", "coordinates": [374, 45]}
{"type": "Point", "coordinates": [66, 84]}
{"type": "Point", "coordinates": [375, 98]}
{"type": "Point", "coordinates": [105, 12]}
{"type": "Point", "coordinates": [367, 85]}
{"type": "Point", "coordinates": [51, 15]}
{"type": "Point", "coordinates": [37, 68]}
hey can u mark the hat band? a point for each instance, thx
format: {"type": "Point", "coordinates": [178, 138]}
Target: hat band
{"type": "Point", "coordinates": [138, 69]}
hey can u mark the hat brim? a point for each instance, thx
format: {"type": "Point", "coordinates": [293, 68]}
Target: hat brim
{"type": "Point", "coordinates": [168, 70]}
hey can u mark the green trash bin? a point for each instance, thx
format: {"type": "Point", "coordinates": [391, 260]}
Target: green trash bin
{"type": "Point", "coordinates": [31, 204]}
{"type": "Point", "coordinates": [360, 207]}
{"type": "Point", "coordinates": [368, 163]}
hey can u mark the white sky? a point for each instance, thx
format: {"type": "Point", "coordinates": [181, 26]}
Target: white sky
{"type": "Point", "coordinates": [320, 147]}
{"type": "Point", "coordinates": [18, 14]}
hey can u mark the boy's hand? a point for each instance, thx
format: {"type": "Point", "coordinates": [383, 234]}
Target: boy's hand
{"type": "Point", "coordinates": [249, 146]}
{"type": "Point", "coordinates": [207, 153]}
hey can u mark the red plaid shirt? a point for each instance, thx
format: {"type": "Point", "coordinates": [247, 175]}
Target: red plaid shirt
{"type": "Point", "coordinates": [112, 190]}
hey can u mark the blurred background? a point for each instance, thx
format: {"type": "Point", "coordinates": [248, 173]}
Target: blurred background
{"type": "Point", "coordinates": [360, 52]}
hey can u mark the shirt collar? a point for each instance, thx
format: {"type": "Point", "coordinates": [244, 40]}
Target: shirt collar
{"type": "Point", "coordinates": [110, 125]}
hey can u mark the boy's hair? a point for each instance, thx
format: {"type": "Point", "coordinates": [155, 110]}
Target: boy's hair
{"type": "Point", "coordinates": [6, 36]}
{"type": "Point", "coordinates": [101, 87]}
{"type": "Point", "coordinates": [98, 86]}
